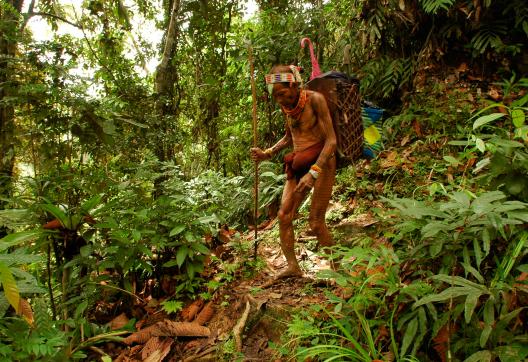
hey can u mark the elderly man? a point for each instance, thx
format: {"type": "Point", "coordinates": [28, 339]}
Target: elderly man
{"type": "Point", "coordinates": [312, 163]}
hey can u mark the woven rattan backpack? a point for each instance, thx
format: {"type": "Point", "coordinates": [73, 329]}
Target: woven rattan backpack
{"type": "Point", "coordinates": [342, 97]}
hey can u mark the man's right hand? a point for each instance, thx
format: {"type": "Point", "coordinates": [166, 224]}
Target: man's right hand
{"type": "Point", "coordinates": [258, 155]}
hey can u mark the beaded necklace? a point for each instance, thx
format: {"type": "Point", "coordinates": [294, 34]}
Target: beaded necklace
{"type": "Point", "coordinates": [294, 114]}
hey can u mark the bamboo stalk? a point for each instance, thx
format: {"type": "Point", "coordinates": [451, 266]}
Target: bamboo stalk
{"type": "Point", "coordinates": [255, 141]}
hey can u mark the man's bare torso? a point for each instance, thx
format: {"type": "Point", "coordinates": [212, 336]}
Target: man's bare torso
{"type": "Point", "coordinates": [306, 130]}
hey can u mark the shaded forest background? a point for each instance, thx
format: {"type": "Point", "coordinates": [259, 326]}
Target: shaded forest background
{"type": "Point", "coordinates": [112, 173]}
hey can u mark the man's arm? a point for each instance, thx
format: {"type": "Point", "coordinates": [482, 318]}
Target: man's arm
{"type": "Point", "coordinates": [284, 142]}
{"type": "Point", "coordinates": [326, 126]}
{"type": "Point", "coordinates": [258, 155]}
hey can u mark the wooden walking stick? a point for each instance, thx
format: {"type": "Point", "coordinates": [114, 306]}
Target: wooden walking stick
{"type": "Point", "coordinates": [255, 140]}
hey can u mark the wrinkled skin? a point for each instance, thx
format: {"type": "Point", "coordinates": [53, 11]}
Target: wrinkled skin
{"type": "Point", "coordinates": [314, 126]}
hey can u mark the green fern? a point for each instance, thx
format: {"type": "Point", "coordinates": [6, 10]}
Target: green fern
{"type": "Point", "coordinates": [488, 37]}
{"type": "Point", "coordinates": [172, 306]}
{"type": "Point", "coordinates": [43, 322]}
{"type": "Point", "coordinates": [384, 76]}
{"type": "Point", "coordinates": [433, 6]}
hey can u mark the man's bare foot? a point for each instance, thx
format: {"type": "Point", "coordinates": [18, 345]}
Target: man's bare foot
{"type": "Point", "coordinates": [288, 273]}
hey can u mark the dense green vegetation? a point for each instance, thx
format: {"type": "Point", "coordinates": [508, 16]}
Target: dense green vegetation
{"type": "Point", "coordinates": [115, 179]}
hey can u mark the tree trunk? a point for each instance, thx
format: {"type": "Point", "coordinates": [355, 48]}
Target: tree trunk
{"type": "Point", "coordinates": [9, 16]}
{"type": "Point", "coordinates": [166, 77]}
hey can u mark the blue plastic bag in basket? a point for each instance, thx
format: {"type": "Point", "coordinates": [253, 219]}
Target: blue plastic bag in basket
{"type": "Point", "coordinates": [372, 132]}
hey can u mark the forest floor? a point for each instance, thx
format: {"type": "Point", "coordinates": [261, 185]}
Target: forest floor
{"type": "Point", "coordinates": [248, 322]}
{"type": "Point", "coordinates": [355, 213]}
{"type": "Point", "coordinates": [270, 308]}
{"type": "Point", "coordinates": [239, 319]}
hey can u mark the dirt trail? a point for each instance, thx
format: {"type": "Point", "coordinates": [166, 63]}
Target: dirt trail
{"type": "Point", "coordinates": [273, 307]}
{"type": "Point", "coordinates": [242, 321]}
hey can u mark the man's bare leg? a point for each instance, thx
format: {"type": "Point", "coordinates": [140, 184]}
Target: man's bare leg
{"type": "Point", "coordinates": [289, 205]}
{"type": "Point", "coordinates": [320, 199]}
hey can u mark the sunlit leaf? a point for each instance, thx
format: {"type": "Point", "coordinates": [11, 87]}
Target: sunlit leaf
{"type": "Point", "coordinates": [57, 213]}
{"type": "Point", "coordinates": [453, 161]}
{"type": "Point", "coordinates": [10, 287]}
{"type": "Point", "coordinates": [17, 259]}
{"type": "Point", "coordinates": [518, 117]}
{"type": "Point", "coordinates": [479, 122]}
{"type": "Point", "coordinates": [449, 293]}
{"type": "Point", "coordinates": [481, 146]}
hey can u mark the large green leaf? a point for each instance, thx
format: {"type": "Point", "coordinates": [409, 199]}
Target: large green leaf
{"type": "Point", "coordinates": [484, 336]}
{"type": "Point", "coordinates": [479, 122]}
{"type": "Point", "coordinates": [26, 288]}
{"type": "Point", "coordinates": [16, 259]}
{"type": "Point", "coordinates": [199, 247]}
{"type": "Point", "coordinates": [58, 213]}
{"type": "Point", "coordinates": [452, 292]}
{"type": "Point", "coordinates": [209, 219]}
{"type": "Point", "coordinates": [9, 284]}
{"type": "Point", "coordinates": [480, 356]}
{"type": "Point", "coordinates": [181, 255]}
{"type": "Point", "coordinates": [176, 230]}
{"type": "Point", "coordinates": [504, 320]}
{"type": "Point", "coordinates": [18, 238]}
{"type": "Point", "coordinates": [408, 337]}
{"type": "Point", "coordinates": [518, 117]}
{"type": "Point", "coordinates": [14, 217]}
{"type": "Point", "coordinates": [469, 307]}
{"type": "Point", "coordinates": [460, 282]}
{"type": "Point", "coordinates": [88, 205]}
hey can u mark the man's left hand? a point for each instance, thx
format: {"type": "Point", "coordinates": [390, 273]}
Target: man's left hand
{"type": "Point", "coordinates": [305, 183]}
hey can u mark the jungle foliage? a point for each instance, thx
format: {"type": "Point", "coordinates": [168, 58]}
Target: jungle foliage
{"type": "Point", "coordinates": [113, 175]}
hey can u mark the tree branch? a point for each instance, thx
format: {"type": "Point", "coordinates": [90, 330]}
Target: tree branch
{"type": "Point", "coordinates": [31, 13]}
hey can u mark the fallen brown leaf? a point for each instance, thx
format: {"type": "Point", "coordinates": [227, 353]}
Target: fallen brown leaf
{"type": "Point", "coordinates": [189, 313]}
{"type": "Point", "coordinates": [205, 315]}
{"type": "Point", "coordinates": [119, 322]}
{"type": "Point", "coordinates": [168, 328]}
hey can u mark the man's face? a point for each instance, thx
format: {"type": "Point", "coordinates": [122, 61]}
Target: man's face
{"type": "Point", "coordinates": [285, 95]}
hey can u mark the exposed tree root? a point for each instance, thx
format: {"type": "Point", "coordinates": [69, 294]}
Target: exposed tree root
{"type": "Point", "coordinates": [239, 327]}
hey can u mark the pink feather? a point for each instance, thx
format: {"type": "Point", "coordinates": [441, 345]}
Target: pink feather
{"type": "Point", "coordinates": [316, 71]}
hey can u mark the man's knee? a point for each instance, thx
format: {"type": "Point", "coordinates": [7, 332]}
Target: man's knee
{"type": "Point", "coordinates": [284, 217]}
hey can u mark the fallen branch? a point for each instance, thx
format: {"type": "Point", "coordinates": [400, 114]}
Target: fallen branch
{"type": "Point", "coordinates": [239, 328]}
